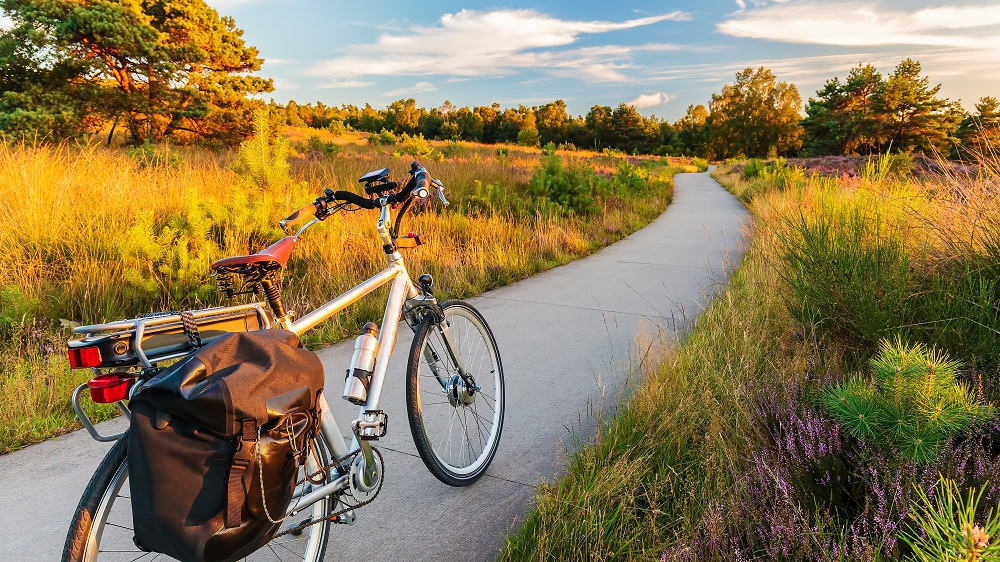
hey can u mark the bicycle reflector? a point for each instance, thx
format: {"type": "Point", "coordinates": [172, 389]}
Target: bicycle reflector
{"type": "Point", "coordinates": [83, 357]}
{"type": "Point", "coordinates": [108, 389]}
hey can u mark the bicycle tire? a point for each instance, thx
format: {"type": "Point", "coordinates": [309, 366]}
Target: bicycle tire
{"type": "Point", "coordinates": [84, 541]}
{"type": "Point", "coordinates": [445, 394]}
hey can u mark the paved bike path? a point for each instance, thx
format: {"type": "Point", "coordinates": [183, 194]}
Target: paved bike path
{"type": "Point", "coordinates": [566, 337]}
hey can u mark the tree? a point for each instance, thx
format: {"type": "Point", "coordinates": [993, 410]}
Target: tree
{"type": "Point", "coordinates": [692, 131]}
{"type": "Point", "coordinates": [981, 132]}
{"type": "Point", "coordinates": [628, 129]}
{"type": "Point", "coordinates": [755, 115]}
{"type": "Point", "coordinates": [842, 119]}
{"type": "Point", "coordinates": [403, 116]}
{"type": "Point", "coordinates": [370, 120]}
{"type": "Point", "coordinates": [470, 124]}
{"type": "Point", "coordinates": [159, 67]}
{"type": "Point", "coordinates": [491, 121]}
{"type": "Point", "coordinates": [552, 121]}
{"type": "Point", "coordinates": [915, 118]}
{"type": "Point", "coordinates": [598, 120]}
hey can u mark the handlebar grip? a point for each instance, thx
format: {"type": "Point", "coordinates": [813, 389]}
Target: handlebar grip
{"type": "Point", "coordinates": [421, 189]}
{"type": "Point", "coordinates": [355, 199]}
{"type": "Point", "coordinates": [303, 213]}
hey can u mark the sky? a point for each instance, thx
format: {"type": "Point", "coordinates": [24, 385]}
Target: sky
{"type": "Point", "coordinates": [659, 56]}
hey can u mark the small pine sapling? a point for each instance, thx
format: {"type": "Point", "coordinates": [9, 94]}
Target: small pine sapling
{"type": "Point", "coordinates": [913, 401]}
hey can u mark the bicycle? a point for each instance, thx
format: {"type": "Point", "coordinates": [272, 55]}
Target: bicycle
{"type": "Point", "coordinates": [454, 382]}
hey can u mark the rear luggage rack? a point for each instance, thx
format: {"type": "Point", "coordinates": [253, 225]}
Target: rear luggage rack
{"type": "Point", "coordinates": [161, 337]}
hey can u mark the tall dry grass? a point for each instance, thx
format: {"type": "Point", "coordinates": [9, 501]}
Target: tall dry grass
{"type": "Point", "coordinates": [89, 234]}
{"type": "Point", "coordinates": [722, 452]}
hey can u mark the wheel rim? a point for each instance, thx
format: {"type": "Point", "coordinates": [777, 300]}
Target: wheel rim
{"type": "Point", "coordinates": [462, 430]}
{"type": "Point", "coordinates": [110, 538]}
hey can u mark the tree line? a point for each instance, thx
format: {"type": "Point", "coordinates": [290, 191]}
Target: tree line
{"type": "Point", "coordinates": [175, 69]}
{"type": "Point", "coordinates": [754, 116]}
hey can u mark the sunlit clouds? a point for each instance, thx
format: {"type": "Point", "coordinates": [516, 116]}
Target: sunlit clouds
{"type": "Point", "coordinates": [869, 24]}
{"type": "Point", "coordinates": [482, 44]}
{"type": "Point", "coordinates": [646, 101]}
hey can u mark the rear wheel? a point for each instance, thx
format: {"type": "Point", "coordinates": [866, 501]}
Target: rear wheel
{"type": "Point", "coordinates": [102, 526]}
{"type": "Point", "coordinates": [455, 416]}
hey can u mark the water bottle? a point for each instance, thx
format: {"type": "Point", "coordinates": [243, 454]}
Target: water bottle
{"type": "Point", "coordinates": [359, 376]}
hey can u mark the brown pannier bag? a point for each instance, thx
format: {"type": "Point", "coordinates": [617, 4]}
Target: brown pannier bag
{"type": "Point", "coordinates": [206, 430]}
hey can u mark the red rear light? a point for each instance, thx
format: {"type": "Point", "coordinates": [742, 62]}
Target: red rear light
{"type": "Point", "coordinates": [82, 357]}
{"type": "Point", "coordinates": [106, 389]}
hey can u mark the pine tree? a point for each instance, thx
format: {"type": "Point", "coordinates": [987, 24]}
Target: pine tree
{"type": "Point", "coordinates": [157, 67]}
{"type": "Point", "coordinates": [914, 117]}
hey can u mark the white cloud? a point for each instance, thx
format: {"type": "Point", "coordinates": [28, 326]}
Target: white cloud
{"type": "Point", "coordinates": [418, 88]}
{"type": "Point", "coordinates": [851, 23]}
{"type": "Point", "coordinates": [477, 44]}
{"type": "Point", "coordinates": [645, 101]}
{"type": "Point", "coordinates": [5, 22]}
{"type": "Point", "coordinates": [345, 84]}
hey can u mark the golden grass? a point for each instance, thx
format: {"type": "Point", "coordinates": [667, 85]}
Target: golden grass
{"type": "Point", "coordinates": [89, 235]}
{"type": "Point", "coordinates": [651, 483]}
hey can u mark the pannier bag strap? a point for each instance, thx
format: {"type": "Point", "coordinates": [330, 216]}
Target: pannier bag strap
{"type": "Point", "coordinates": [191, 330]}
{"type": "Point", "coordinates": [237, 474]}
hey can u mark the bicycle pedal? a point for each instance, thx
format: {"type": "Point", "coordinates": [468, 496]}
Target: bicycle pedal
{"type": "Point", "coordinates": [346, 518]}
{"type": "Point", "coordinates": [374, 425]}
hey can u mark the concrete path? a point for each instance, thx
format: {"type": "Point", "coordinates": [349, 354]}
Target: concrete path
{"type": "Point", "coordinates": [565, 337]}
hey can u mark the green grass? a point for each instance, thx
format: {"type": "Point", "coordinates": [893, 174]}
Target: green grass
{"type": "Point", "coordinates": [89, 234]}
{"type": "Point", "coordinates": [832, 267]}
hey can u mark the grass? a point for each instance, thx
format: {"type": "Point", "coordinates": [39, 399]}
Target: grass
{"type": "Point", "coordinates": [89, 234]}
{"type": "Point", "coordinates": [723, 451]}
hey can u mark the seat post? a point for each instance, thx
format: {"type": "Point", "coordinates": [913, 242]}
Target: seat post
{"type": "Point", "coordinates": [273, 295]}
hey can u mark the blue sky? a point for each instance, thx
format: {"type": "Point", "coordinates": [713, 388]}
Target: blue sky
{"type": "Point", "coordinates": [660, 56]}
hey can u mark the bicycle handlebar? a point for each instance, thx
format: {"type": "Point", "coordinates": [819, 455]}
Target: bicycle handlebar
{"type": "Point", "coordinates": [418, 186]}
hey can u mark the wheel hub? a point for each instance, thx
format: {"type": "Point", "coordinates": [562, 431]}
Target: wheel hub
{"type": "Point", "coordinates": [461, 393]}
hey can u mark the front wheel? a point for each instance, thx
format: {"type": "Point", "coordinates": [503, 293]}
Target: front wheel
{"type": "Point", "coordinates": [455, 393]}
{"type": "Point", "coordinates": [102, 526]}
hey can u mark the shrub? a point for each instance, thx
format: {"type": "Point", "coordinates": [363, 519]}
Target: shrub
{"type": "Point", "coordinates": [315, 144]}
{"type": "Point", "coordinates": [337, 127]}
{"type": "Point", "coordinates": [148, 155]}
{"type": "Point", "coordinates": [415, 145]}
{"type": "Point", "coordinates": [385, 137]}
{"type": "Point", "coordinates": [528, 137]}
{"type": "Point", "coordinates": [455, 147]}
{"type": "Point", "coordinates": [572, 189]}
{"type": "Point", "coordinates": [914, 402]}
{"type": "Point", "coordinates": [263, 158]}
{"type": "Point", "coordinates": [502, 153]}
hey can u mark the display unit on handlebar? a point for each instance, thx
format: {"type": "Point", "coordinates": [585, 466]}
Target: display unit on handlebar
{"type": "Point", "coordinates": [454, 380]}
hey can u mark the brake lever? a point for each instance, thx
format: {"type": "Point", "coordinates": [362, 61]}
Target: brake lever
{"type": "Point", "coordinates": [440, 191]}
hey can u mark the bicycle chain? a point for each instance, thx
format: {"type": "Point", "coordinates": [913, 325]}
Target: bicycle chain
{"type": "Point", "coordinates": [333, 516]}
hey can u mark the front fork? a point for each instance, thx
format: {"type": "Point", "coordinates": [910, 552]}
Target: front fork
{"type": "Point", "coordinates": [415, 311]}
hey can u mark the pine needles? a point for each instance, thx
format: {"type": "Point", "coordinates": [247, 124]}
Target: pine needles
{"type": "Point", "coordinates": [948, 528]}
{"type": "Point", "coordinates": [913, 402]}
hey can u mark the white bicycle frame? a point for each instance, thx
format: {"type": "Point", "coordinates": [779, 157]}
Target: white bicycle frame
{"type": "Point", "coordinates": [403, 295]}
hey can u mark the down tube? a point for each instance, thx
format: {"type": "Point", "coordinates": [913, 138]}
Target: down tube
{"type": "Point", "coordinates": [386, 339]}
